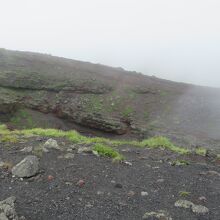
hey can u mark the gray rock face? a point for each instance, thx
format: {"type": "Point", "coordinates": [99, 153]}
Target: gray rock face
{"type": "Point", "coordinates": [27, 167]}
{"type": "Point", "coordinates": [7, 209]}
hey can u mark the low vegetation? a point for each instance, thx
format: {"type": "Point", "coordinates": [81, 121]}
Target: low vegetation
{"type": "Point", "coordinates": [103, 150]}
{"type": "Point", "coordinates": [201, 151]}
{"type": "Point", "coordinates": [180, 163]}
{"type": "Point", "coordinates": [184, 193]}
{"type": "Point", "coordinates": [127, 112]}
{"type": "Point", "coordinates": [165, 143]}
{"type": "Point", "coordinates": [73, 136]}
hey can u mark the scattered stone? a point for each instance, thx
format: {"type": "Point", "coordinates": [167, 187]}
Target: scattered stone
{"type": "Point", "coordinates": [66, 156]}
{"type": "Point", "coordinates": [160, 180]}
{"type": "Point", "coordinates": [199, 209]}
{"type": "Point", "coordinates": [144, 193]}
{"type": "Point", "coordinates": [80, 183]}
{"type": "Point", "coordinates": [100, 193]}
{"type": "Point", "coordinates": [69, 156]}
{"type": "Point", "coordinates": [88, 205]}
{"type": "Point", "coordinates": [183, 204]}
{"type": "Point", "coordinates": [84, 150]}
{"type": "Point", "coordinates": [7, 209]}
{"type": "Point", "coordinates": [118, 185]}
{"type": "Point", "coordinates": [202, 199]}
{"type": "Point", "coordinates": [95, 153]}
{"type": "Point", "coordinates": [160, 215]}
{"type": "Point", "coordinates": [131, 193]}
{"type": "Point", "coordinates": [28, 167]}
{"type": "Point", "coordinates": [127, 163]}
{"type": "Point", "coordinates": [51, 144]}
{"type": "Point", "coordinates": [27, 149]}
{"type": "Point", "coordinates": [50, 177]}
{"type": "Point", "coordinates": [73, 147]}
{"type": "Point", "coordinates": [6, 165]}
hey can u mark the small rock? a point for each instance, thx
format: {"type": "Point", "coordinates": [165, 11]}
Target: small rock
{"type": "Point", "coordinates": [51, 144]}
{"type": "Point", "coordinates": [100, 193]}
{"type": "Point", "coordinates": [88, 205]}
{"type": "Point", "coordinates": [183, 204]}
{"type": "Point", "coordinates": [127, 163]}
{"type": "Point", "coordinates": [80, 183]}
{"type": "Point", "coordinates": [73, 147]}
{"type": "Point", "coordinates": [27, 167]}
{"type": "Point", "coordinates": [131, 193]}
{"type": "Point", "coordinates": [118, 185]}
{"type": "Point", "coordinates": [202, 199]}
{"type": "Point", "coordinates": [84, 150]}
{"type": "Point", "coordinates": [27, 149]}
{"type": "Point", "coordinates": [69, 156]}
{"type": "Point", "coordinates": [160, 215]}
{"type": "Point", "coordinates": [160, 180]}
{"type": "Point", "coordinates": [199, 209]}
{"type": "Point", "coordinates": [95, 153]}
{"type": "Point", "coordinates": [144, 193]}
{"type": "Point", "coordinates": [50, 177]}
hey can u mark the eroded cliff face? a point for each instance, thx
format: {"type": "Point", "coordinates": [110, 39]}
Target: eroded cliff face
{"type": "Point", "coordinates": [104, 98]}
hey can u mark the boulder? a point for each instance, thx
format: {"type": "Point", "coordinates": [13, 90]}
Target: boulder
{"type": "Point", "coordinates": [51, 144]}
{"type": "Point", "coordinates": [27, 167]}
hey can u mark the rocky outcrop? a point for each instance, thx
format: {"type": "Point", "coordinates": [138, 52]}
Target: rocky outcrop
{"type": "Point", "coordinates": [106, 124]}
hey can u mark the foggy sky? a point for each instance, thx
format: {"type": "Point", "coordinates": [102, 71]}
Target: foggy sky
{"type": "Point", "coordinates": [172, 39]}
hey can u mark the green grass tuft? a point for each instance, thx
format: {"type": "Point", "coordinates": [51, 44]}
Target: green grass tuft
{"type": "Point", "coordinates": [163, 142]}
{"type": "Point", "coordinates": [106, 151]}
{"type": "Point", "coordinates": [184, 193]}
{"type": "Point", "coordinates": [201, 151]}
